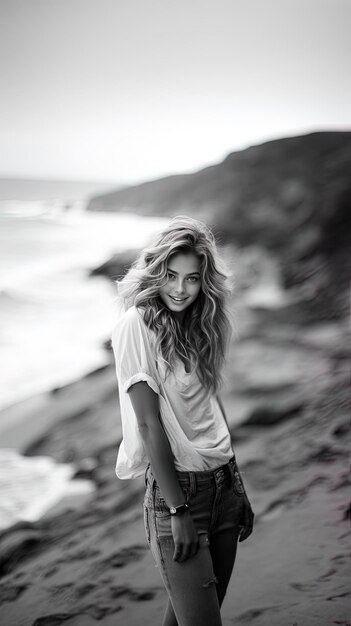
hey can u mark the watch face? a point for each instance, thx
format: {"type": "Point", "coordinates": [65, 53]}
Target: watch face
{"type": "Point", "coordinates": [172, 510]}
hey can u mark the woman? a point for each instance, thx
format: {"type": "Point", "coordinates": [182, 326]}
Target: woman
{"type": "Point", "coordinates": [169, 347]}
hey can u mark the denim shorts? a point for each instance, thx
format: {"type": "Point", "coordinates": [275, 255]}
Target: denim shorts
{"type": "Point", "coordinates": [216, 500]}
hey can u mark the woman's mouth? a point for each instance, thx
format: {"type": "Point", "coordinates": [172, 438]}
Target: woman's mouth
{"type": "Point", "coordinates": [178, 300]}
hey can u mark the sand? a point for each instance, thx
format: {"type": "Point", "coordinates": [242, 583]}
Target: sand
{"type": "Point", "coordinates": [86, 562]}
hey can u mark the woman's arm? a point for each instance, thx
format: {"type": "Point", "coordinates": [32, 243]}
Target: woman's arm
{"type": "Point", "coordinates": [146, 408]}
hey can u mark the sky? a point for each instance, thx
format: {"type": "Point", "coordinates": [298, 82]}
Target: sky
{"type": "Point", "coordinates": [130, 90]}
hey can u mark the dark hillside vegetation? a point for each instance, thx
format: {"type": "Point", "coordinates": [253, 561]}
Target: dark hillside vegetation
{"type": "Point", "coordinates": [290, 196]}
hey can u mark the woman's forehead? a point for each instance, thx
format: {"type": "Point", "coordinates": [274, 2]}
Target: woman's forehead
{"type": "Point", "coordinates": [184, 262]}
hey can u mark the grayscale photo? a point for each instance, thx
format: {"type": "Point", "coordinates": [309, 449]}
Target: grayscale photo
{"type": "Point", "coordinates": [175, 307]}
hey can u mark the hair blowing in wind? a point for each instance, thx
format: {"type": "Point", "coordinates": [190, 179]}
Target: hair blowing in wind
{"type": "Point", "coordinates": [204, 335]}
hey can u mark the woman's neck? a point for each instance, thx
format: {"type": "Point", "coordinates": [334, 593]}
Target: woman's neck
{"type": "Point", "coordinates": [179, 316]}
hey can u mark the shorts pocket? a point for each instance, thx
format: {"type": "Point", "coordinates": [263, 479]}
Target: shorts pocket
{"type": "Point", "coordinates": [238, 485]}
{"type": "Point", "coordinates": [160, 507]}
{"type": "Point", "coordinates": [148, 497]}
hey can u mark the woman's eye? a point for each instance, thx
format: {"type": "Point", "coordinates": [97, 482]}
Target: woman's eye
{"type": "Point", "coordinates": [191, 279]}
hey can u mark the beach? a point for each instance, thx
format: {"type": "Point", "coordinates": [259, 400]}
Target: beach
{"type": "Point", "coordinates": [286, 396]}
{"type": "Point", "coordinates": [118, 118]}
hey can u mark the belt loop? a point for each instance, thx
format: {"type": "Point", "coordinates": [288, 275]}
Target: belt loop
{"type": "Point", "coordinates": [192, 484]}
{"type": "Point", "coordinates": [231, 466]}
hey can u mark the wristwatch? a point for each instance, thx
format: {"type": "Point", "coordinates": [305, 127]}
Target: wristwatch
{"type": "Point", "coordinates": [175, 510]}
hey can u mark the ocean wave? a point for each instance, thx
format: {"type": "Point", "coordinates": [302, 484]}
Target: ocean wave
{"type": "Point", "coordinates": [29, 209]}
{"type": "Point", "coordinates": [30, 486]}
{"type": "Point", "coordinates": [54, 317]}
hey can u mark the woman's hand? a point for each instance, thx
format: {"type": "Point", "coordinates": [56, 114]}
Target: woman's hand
{"type": "Point", "coordinates": [247, 520]}
{"type": "Point", "coordinates": [186, 539]}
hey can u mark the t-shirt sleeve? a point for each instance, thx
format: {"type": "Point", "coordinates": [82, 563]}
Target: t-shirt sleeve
{"type": "Point", "coordinates": [133, 353]}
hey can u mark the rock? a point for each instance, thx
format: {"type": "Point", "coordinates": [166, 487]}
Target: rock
{"type": "Point", "coordinates": [18, 544]}
{"type": "Point", "coordinates": [260, 366]}
{"type": "Point", "coordinates": [273, 410]}
{"type": "Point", "coordinates": [116, 266]}
{"type": "Point", "coordinates": [86, 468]}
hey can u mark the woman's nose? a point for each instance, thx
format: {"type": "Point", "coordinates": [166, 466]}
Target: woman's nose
{"type": "Point", "coordinates": [180, 286]}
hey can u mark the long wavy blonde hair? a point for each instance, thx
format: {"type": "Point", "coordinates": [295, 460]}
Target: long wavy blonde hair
{"type": "Point", "coordinates": [204, 334]}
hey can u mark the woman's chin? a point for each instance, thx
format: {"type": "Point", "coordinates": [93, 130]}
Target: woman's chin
{"type": "Point", "coordinates": [177, 310]}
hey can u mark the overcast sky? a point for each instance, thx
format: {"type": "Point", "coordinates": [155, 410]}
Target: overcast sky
{"type": "Point", "coordinates": [126, 90]}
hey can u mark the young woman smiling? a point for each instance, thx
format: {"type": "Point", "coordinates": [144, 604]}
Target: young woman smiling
{"type": "Point", "coordinates": [170, 346]}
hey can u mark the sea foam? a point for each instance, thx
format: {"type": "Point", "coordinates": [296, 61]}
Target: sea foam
{"type": "Point", "coordinates": [30, 486]}
{"type": "Point", "coordinates": [54, 317]}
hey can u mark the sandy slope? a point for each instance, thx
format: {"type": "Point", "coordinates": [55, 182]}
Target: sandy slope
{"type": "Point", "coordinates": [87, 562]}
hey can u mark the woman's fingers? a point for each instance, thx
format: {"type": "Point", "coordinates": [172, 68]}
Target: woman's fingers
{"type": "Point", "coordinates": [180, 551]}
{"type": "Point", "coordinates": [245, 532]}
{"type": "Point", "coordinates": [247, 525]}
{"type": "Point", "coordinates": [185, 551]}
{"type": "Point", "coordinates": [185, 537]}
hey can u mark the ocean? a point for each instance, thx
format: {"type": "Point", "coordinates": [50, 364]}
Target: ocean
{"type": "Point", "coordinates": [54, 317]}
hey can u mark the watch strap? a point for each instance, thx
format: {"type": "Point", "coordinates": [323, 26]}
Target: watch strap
{"type": "Point", "coordinates": [175, 510]}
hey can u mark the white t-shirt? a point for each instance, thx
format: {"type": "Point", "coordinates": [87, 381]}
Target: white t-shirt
{"type": "Point", "coordinates": [190, 414]}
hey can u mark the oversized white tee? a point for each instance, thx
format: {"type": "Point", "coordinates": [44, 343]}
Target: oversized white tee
{"type": "Point", "coordinates": [190, 414]}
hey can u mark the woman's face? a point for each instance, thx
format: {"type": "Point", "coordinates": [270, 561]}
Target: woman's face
{"type": "Point", "coordinates": [184, 282]}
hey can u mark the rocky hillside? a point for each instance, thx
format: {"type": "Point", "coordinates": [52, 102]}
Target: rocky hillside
{"type": "Point", "coordinates": [291, 196]}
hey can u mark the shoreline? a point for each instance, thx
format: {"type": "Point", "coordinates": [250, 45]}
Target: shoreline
{"type": "Point", "coordinates": [34, 416]}
{"type": "Point", "coordinates": [35, 419]}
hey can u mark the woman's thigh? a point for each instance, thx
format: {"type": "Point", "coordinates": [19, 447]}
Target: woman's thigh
{"type": "Point", "coordinates": [191, 584]}
{"type": "Point", "coordinates": [196, 587]}
{"type": "Point", "coordinates": [225, 532]}
{"type": "Point", "coordinates": [223, 549]}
